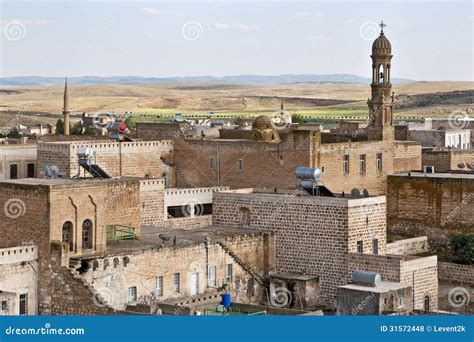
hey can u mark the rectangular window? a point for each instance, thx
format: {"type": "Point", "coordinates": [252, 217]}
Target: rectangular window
{"type": "Point", "coordinates": [31, 170]}
{"type": "Point", "coordinates": [132, 294]}
{"type": "Point", "coordinates": [4, 305]}
{"type": "Point", "coordinates": [212, 163]}
{"type": "Point", "coordinates": [362, 163]}
{"type": "Point", "coordinates": [13, 171]}
{"type": "Point", "coordinates": [240, 165]}
{"type": "Point", "coordinates": [401, 302]}
{"type": "Point", "coordinates": [378, 161]}
{"type": "Point", "coordinates": [177, 283]}
{"type": "Point", "coordinates": [228, 273]}
{"type": "Point", "coordinates": [360, 246]}
{"type": "Point", "coordinates": [24, 304]}
{"type": "Point", "coordinates": [211, 276]}
{"type": "Point", "coordinates": [345, 164]}
{"type": "Point", "coordinates": [159, 286]}
{"type": "Point", "coordinates": [375, 246]}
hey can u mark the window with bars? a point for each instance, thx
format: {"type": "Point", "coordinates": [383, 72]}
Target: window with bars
{"type": "Point", "coordinates": [228, 273]}
{"type": "Point", "coordinates": [345, 164]}
{"type": "Point", "coordinates": [212, 163]}
{"type": "Point", "coordinates": [24, 304]}
{"type": "Point", "coordinates": [177, 283]}
{"type": "Point", "coordinates": [159, 286]}
{"type": "Point", "coordinates": [132, 294]}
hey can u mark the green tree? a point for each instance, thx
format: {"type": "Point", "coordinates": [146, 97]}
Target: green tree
{"type": "Point", "coordinates": [60, 126]}
{"type": "Point", "coordinates": [130, 123]}
{"type": "Point", "coordinates": [296, 118]}
{"type": "Point", "coordinates": [14, 133]}
{"type": "Point", "coordinates": [463, 248]}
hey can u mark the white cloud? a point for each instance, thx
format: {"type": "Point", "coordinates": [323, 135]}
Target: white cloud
{"type": "Point", "coordinates": [248, 27]}
{"type": "Point", "coordinates": [222, 26]}
{"type": "Point", "coordinates": [157, 11]}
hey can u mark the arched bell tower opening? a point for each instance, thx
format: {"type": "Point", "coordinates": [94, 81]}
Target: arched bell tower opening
{"type": "Point", "coordinates": [381, 102]}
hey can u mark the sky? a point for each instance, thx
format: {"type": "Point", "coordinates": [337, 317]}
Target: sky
{"type": "Point", "coordinates": [431, 40]}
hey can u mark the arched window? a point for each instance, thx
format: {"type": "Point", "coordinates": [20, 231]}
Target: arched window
{"type": "Point", "coordinates": [87, 234]}
{"type": "Point", "coordinates": [68, 234]}
{"type": "Point", "coordinates": [426, 303]}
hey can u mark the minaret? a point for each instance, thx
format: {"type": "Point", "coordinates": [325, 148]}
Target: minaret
{"type": "Point", "coordinates": [66, 110]}
{"type": "Point", "coordinates": [381, 102]}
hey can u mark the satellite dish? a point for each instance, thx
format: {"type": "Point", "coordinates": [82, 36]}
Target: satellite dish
{"type": "Point", "coordinates": [51, 171]}
{"type": "Point", "coordinates": [461, 165]}
{"type": "Point", "coordinates": [355, 193]}
{"type": "Point", "coordinates": [365, 192]}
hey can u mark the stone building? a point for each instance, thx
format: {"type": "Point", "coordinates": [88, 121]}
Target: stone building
{"type": "Point", "coordinates": [197, 267]}
{"type": "Point", "coordinates": [319, 235]}
{"type": "Point", "coordinates": [71, 214]}
{"type": "Point", "coordinates": [18, 161]}
{"type": "Point", "coordinates": [145, 159]}
{"type": "Point", "coordinates": [452, 138]}
{"type": "Point", "coordinates": [447, 160]}
{"type": "Point", "coordinates": [438, 205]}
{"type": "Point", "coordinates": [18, 280]}
{"type": "Point", "coordinates": [266, 155]}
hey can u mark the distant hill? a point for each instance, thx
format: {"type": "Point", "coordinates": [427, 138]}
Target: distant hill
{"type": "Point", "coordinates": [244, 79]}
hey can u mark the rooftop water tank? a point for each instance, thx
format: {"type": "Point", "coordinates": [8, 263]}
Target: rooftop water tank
{"type": "Point", "coordinates": [303, 172]}
{"type": "Point", "coordinates": [366, 278]}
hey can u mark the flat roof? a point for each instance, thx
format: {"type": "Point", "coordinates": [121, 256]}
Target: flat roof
{"type": "Point", "coordinates": [64, 181]}
{"type": "Point", "coordinates": [150, 239]}
{"type": "Point", "coordinates": [434, 175]}
{"type": "Point", "coordinates": [293, 276]}
{"type": "Point", "coordinates": [384, 286]}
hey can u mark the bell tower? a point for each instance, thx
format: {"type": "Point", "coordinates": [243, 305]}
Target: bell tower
{"type": "Point", "coordinates": [381, 102]}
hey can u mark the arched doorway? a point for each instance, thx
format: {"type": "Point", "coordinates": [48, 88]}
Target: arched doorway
{"type": "Point", "coordinates": [67, 234]}
{"type": "Point", "coordinates": [87, 231]}
{"type": "Point", "coordinates": [426, 303]}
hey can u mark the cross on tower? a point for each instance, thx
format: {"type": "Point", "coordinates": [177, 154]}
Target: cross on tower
{"type": "Point", "coordinates": [382, 25]}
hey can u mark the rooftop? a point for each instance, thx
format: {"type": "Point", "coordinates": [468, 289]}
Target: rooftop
{"type": "Point", "coordinates": [435, 175]}
{"type": "Point", "coordinates": [64, 181]}
{"type": "Point", "coordinates": [383, 287]}
{"type": "Point", "coordinates": [151, 238]}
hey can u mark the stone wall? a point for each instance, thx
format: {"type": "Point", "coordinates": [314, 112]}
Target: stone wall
{"type": "Point", "coordinates": [463, 274]}
{"type": "Point", "coordinates": [37, 210]}
{"type": "Point", "coordinates": [437, 206]}
{"type": "Point", "coordinates": [313, 234]}
{"type": "Point", "coordinates": [18, 267]}
{"type": "Point", "coordinates": [20, 155]}
{"type": "Point", "coordinates": [420, 273]}
{"type": "Point", "coordinates": [445, 160]}
{"type": "Point", "coordinates": [408, 246]}
{"type": "Point", "coordinates": [204, 163]}
{"type": "Point", "coordinates": [131, 159]}
{"type": "Point", "coordinates": [139, 269]}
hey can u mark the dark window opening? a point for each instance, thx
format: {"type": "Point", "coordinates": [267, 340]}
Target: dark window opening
{"type": "Point", "coordinates": [375, 246]}
{"type": "Point", "coordinates": [177, 211]}
{"type": "Point", "coordinates": [13, 171]}
{"type": "Point", "coordinates": [360, 246]}
{"type": "Point", "coordinates": [68, 234]}
{"type": "Point", "coordinates": [87, 234]}
{"type": "Point", "coordinates": [30, 170]}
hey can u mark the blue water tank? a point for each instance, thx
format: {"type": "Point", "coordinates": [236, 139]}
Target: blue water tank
{"type": "Point", "coordinates": [366, 278]}
{"type": "Point", "coordinates": [225, 300]}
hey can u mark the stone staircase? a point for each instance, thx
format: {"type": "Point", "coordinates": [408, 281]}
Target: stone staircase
{"type": "Point", "coordinates": [72, 295]}
{"type": "Point", "coordinates": [258, 278]}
